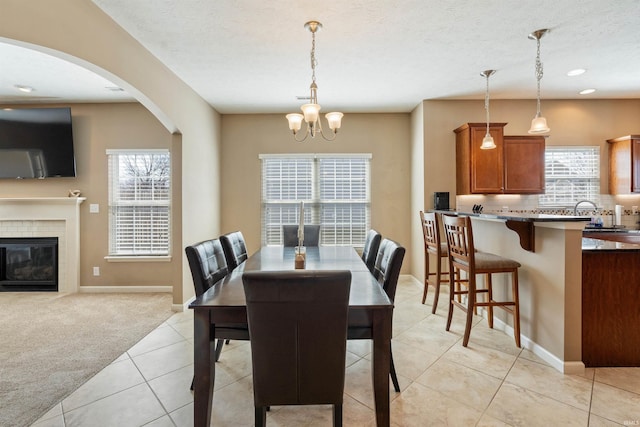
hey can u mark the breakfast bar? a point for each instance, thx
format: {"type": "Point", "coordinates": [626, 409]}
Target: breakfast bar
{"type": "Point", "coordinates": [550, 279]}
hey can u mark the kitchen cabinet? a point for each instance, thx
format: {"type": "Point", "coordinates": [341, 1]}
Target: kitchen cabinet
{"type": "Point", "coordinates": [624, 164]}
{"type": "Point", "coordinates": [610, 291]}
{"type": "Point", "coordinates": [524, 164]}
{"type": "Point", "coordinates": [515, 166]}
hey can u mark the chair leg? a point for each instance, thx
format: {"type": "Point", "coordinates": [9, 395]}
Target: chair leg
{"type": "Point", "coordinates": [471, 303]}
{"type": "Point", "coordinates": [516, 307]}
{"type": "Point", "coordinates": [394, 377]}
{"type": "Point", "coordinates": [337, 415]}
{"type": "Point", "coordinates": [452, 290]}
{"type": "Point", "coordinates": [219, 343]}
{"type": "Point", "coordinates": [438, 280]}
{"type": "Point", "coordinates": [426, 276]}
{"type": "Point", "coordinates": [261, 416]}
{"type": "Point", "coordinates": [490, 297]}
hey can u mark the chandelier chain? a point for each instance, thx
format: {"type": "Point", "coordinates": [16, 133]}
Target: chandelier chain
{"type": "Point", "coordinates": [314, 62]}
{"type": "Point", "coordinates": [486, 103]}
{"type": "Point", "coordinates": [539, 73]}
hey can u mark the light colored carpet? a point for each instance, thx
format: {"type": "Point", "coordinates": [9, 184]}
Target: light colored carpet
{"type": "Point", "coordinates": [51, 343]}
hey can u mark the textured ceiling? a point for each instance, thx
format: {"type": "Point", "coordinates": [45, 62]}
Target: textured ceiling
{"type": "Point", "coordinates": [250, 56]}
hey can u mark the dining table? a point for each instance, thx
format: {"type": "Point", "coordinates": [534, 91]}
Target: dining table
{"type": "Point", "coordinates": [370, 309]}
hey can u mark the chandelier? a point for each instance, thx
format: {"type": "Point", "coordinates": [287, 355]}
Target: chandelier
{"type": "Point", "coordinates": [311, 111]}
{"type": "Point", "coordinates": [487, 141]}
{"type": "Point", "coordinates": [539, 123]}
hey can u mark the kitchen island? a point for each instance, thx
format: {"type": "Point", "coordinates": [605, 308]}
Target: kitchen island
{"type": "Point", "coordinates": [550, 280]}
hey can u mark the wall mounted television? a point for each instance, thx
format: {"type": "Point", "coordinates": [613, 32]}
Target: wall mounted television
{"type": "Point", "coordinates": [36, 143]}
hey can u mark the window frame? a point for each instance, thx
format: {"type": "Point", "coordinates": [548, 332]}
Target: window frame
{"type": "Point", "coordinates": [590, 179]}
{"type": "Point", "coordinates": [334, 231]}
{"type": "Point", "coordinates": [163, 246]}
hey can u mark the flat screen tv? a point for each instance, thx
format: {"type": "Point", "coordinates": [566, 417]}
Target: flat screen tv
{"type": "Point", "coordinates": [36, 143]}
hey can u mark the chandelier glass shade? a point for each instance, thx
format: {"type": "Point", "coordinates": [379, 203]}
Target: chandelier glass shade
{"type": "Point", "coordinates": [487, 142]}
{"type": "Point", "coordinates": [311, 111]}
{"type": "Point", "coordinates": [539, 123]}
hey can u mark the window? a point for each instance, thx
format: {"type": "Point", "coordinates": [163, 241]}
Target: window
{"type": "Point", "coordinates": [571, 174]}
{"type": "Point", "coordinates": [334, 189]}
{"type": "Point", "coordinates": [139, 202]}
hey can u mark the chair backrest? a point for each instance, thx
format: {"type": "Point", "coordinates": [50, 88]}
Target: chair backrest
{"type": "Point", "coordinates": [388, 265]}
{"type": "Point", "coordinates": [235, 249]}
{"type": "Point", "coordinates": [370, 250]}
{"type": "Point", "coordinates": [207, 264]}
{"type": "Point", "coordinates": [459, 241]}
{"type": "Point", "coordinates": [298, 328]}
{"type": "Point", "coordinates": [311, 235]}
{"type": "Point", "coordinates": [431, 232]}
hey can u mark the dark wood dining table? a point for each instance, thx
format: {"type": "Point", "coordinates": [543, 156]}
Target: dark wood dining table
{"type": "Point", "coordinates": [369, 307]}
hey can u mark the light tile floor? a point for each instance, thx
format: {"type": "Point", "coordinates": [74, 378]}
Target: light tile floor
{"type": "Point", "coordinates": [489, 383]}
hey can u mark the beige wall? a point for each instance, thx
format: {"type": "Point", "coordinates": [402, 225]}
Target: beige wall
{"type": "Point", "coordinates": [386, 136]}
{"type": "Point", "coordinates": [78, 31]}
{"type": "Point", "coordinates": [417, 188]}
{"type": "Point", "coordinates": [96, 128]}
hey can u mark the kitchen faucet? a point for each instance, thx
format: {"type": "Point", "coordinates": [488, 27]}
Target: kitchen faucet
{"type": "Point", "coordinates": [575, 208]}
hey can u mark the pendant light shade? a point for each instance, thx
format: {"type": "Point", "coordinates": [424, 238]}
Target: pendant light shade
{"type": "Point", "coordinates": [487, 142]}
{"type": "Point", "coordinates": [539, 125]}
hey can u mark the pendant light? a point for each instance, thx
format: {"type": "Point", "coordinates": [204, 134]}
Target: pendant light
{"type": "Point", "coordinates": [487, 141]}
{"type": "Point", "coordinates": [539, 123]}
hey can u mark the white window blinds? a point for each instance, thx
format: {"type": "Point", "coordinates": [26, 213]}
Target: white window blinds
{"type": "Point", "coordinates": [139, 202]}
{"type": "Point", "coordinates": [571, 174]}
{"type": "Point", "coordinates": [334, 189]}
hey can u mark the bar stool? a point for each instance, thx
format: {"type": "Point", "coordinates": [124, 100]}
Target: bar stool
{"type": "Point", "coordinates": [433, 246]}
{"type": "Point", "coordinates": [463, 257]}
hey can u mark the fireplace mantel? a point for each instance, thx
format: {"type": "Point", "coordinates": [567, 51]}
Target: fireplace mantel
{"type": "Point", "coordinates": [22, 216]}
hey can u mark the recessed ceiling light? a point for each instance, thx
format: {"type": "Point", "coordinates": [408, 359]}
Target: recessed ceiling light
{"type": "Point", "coordinates": [587, 91]}
{"type": "Point", "coordinates": [576, 72]}
{"type": "Point", "coordinates": [23, 88]}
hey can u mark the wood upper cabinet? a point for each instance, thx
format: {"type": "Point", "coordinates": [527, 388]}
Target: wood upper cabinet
{"type": "Point", "coordinates": [479, 171]}
{"type": "Point", "coordinates": [515, 166]}
{"type": "Point", "coordinates": [624, 164]}
{"type": "Point", "coordinates": [524, 164]}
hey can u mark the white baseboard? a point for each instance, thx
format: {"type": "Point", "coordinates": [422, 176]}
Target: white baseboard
{"type": "Point", "coordinates": [571, 368]}
{"type": "Point", "coordinates": [184, 306]}
{"type": "Point", "coordinates": [123, 289]}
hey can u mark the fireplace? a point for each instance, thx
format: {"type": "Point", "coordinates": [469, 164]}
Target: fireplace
{"type": "Point", "coordinates": [48, 217]}
{"type": "Point", "coordinates": [29, 264]}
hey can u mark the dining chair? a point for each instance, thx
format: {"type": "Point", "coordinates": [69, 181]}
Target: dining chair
{"type": "Point", "coordinates": [235, 249]}
{"type": "Point", "coordinates": [463, 257]}
{"type": "Point", "coordinates": [386, 272]}
{"type": "Point", "coordinates": [433, 247]}
{"type": "Point", "coordinates": [370, 249]}
{"type": "Point", "coordinates": [298, 327]}
{"type": "Point", "coordinates": [208, 267]}
{"type": "Point", "coordinates": [311, 235]}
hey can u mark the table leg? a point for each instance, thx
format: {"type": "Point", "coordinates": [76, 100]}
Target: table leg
{"type": "Point", "coordinates": [203, 370]}
{"type": "Point", "coordinates": [381, 365]}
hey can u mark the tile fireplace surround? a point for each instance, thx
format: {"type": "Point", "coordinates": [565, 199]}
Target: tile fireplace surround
{"type": "Point", "coordinates": [48, 217]}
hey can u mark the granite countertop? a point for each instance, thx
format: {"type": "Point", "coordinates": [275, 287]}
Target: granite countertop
{"type": "Point", "coordinates": [513, 216]}
{"type": "Point", "coordinates": [589, 244]}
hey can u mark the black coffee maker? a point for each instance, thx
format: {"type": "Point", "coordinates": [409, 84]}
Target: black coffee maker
{"type": "Point", "coordinates": [441, 200]}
